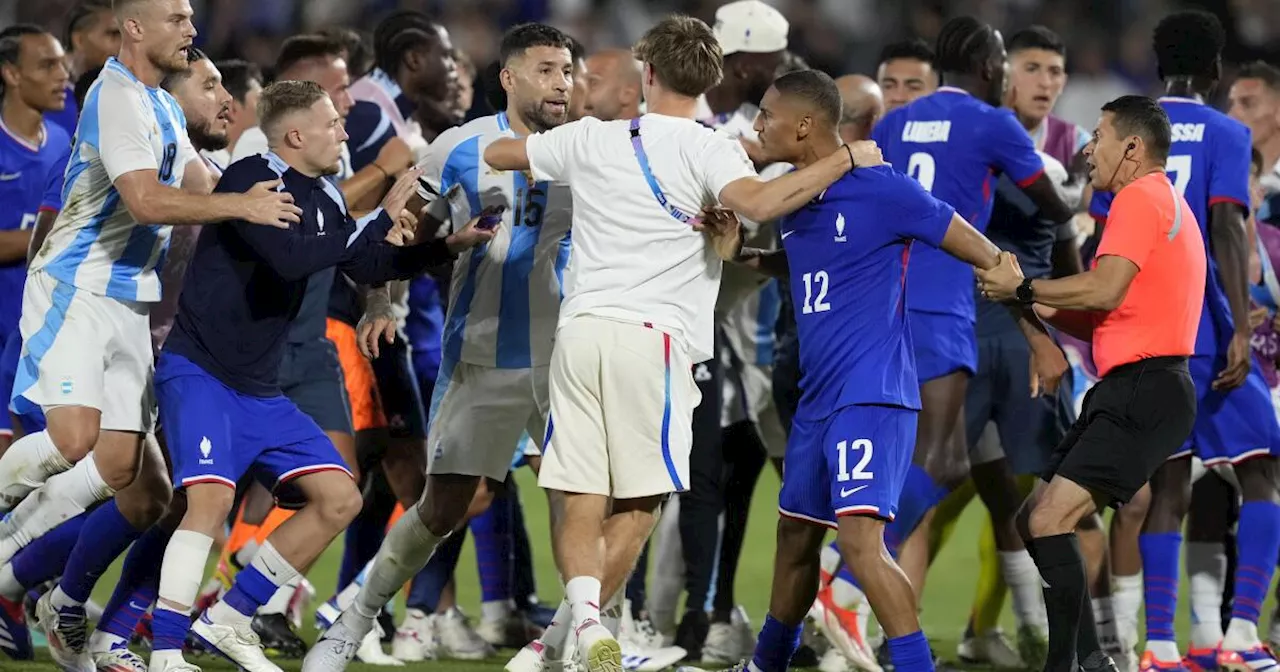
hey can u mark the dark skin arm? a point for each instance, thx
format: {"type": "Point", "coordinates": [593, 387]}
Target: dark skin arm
{"type": "Point", "coordinates": [13, 245]}
{"type": "Point", "coordinates": [1230, 249]}
{"type": "Point", "coordinates": [772, 263]}
{"type": "Point", "coordinates": [1066, 258]}
{"type": "Point", "coordinates": [1045, 195]}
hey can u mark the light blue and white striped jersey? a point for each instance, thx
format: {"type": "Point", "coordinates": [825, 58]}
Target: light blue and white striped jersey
{"type": "Point", "coordinates": [95, 244]}
{"type": "Point", "coordinates": [505, 297]}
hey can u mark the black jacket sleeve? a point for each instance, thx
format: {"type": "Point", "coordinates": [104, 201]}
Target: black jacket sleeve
{"type": "Point", "coordinates": [370, 259]}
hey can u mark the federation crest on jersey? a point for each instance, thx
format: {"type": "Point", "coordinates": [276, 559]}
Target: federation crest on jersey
{"type": "Point", "coordinates": [840, 238]}
{"type": "Point", "coordinates": [206, 447]}
{"type": "Point", "coordinates": [320, 223]}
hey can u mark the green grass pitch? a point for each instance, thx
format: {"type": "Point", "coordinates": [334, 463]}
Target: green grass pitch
{"type": "Point", "coordinates": [948, 593]}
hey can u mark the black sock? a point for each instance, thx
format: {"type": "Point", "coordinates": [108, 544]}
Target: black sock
{"type": "Point", "coordinates": [1087, 643]}
{"type": "Point", "coordinates": [1065, 597]}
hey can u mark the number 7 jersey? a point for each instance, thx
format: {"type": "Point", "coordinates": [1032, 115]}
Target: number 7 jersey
{"type": "Point", "coordinates": [954, 145]}
{"type": "Point", "coordinates": [1209, 164]}
{"type": "Point", "coordinates": [96, 244]}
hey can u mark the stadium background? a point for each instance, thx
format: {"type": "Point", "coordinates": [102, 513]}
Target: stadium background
{"type": "Point", "coordinates": [1109, 54]}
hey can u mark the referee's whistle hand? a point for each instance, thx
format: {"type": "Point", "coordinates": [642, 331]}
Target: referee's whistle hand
{"type": "Point", "coordinates": [1238, 363]}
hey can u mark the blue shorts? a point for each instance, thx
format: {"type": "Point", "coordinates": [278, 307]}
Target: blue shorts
{"type": "Point", "coordinates": [943, 343]}
{"type": "Point", "coordinates": [853, 462]}
{"type": "Point", "coordinates": [1232, 426]}
{"type": "Point", "coordinates": [31, 422]}
{"type": "Point", "coordinates": [218, 435]}
{"type": "Point", "coordinates": [1029, 427]}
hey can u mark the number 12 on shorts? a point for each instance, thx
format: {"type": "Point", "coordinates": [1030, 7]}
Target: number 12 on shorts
{"type": "Point", "coordinates": [862, 450]}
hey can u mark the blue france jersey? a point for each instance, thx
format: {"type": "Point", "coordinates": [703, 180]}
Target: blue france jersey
{"type": "Point", "coordinates": [1208, 163]}
{"type": "Point", "coordinates": [954, 145]}
{"type": "Point", "coordinates": [30, 181]}
{"type": "Point", "coordinates": [96, 244]}
{"type": "Point", "coordinates": [848, 252]}
{"type": "Point", "coordinates": [504, 301]}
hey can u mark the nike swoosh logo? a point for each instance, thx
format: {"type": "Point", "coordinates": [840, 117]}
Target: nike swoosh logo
{"type": "Point", "coordinates": [787, 233]}
{"type": "Point", "coordinates": [846, 493]}
{"type": "Point", "coordinates": [10, 177]}
{"type": "Point", "coordinates": [135, 605]}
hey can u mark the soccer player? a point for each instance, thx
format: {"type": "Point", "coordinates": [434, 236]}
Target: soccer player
{"type": "Point", "coordinates": [92, 36]}
{"type": "Point", "coordinates": [578, 94]}
{"type": "Point", "coordinates": [91, 370]}
{"type": "Point", "coordinates": [1209, 165]}
{"type": "Point", "coordinates": [1139, 307]}
{"type": "Point", "coordinates": [851, 442]}
{"type": "Point", "coordinates": [33, 83]}
{"type": "Point", "coordinates": [953, 142]}
{"type": "Point", "coordinates": [244, 81]}
{"type": "Point", "coordinates": [218, 374]}
{"type": "Point", "coordinates": [1028, 428]}
{"type": "Point", "coordinates": [613, 85]}
{"type": "Point", "coordinates": [1255, 102]}
{"type": "Point", "coordinates": [905, 72]}
{"type": "Point", "coordinates": [502, 312]}
{"type": "Point", "coordinates": [205, 105]}
{"type": "Point", "coordinates": [619, 298]}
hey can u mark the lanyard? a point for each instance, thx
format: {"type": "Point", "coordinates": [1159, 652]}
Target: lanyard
{"type": "Point", "coordinates": [643, 159]}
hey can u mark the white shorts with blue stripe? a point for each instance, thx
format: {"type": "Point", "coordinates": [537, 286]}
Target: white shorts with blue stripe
{"type": "Point", "coordinates": [85, 349]}
{"type": "Point", "coordinates": [622, 400]}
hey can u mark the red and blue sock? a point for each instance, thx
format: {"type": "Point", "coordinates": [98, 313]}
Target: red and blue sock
{"type": "Point", "coordinates": [1257, 547]}
{"type": "Point", "coordinates": [1160, 555]}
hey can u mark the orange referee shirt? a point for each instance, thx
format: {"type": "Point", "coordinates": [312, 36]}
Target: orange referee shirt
{"type": "Point", "coordinates": [1151, 225]}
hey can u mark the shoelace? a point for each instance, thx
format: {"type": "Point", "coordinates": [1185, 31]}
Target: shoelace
{"type": "Point", "coordinates": [73, 628]}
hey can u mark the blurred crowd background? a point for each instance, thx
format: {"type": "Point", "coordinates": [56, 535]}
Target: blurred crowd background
{"type": "Point", "coordinates": [1109, 51]}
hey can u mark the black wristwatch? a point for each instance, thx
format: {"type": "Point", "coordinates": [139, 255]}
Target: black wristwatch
{"type": "Point", "coordinates": [1024, 293]}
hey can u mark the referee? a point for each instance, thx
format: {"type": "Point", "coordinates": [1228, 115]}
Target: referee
{"type": "Point", "coordinates": [1140, 307]}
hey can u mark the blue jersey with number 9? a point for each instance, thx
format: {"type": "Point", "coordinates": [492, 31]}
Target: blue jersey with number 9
{"type": "Point", "coordinates": [955, 145]}
{"type": "Point", "coordinates": [848, 252]}
{"type": "Point", "coordinates": [1208, 163]}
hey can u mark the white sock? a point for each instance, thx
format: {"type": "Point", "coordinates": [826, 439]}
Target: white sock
{"type": "Point", "coordinates": [666, 583]}
{"type": "Point", "coordinates": [1241, 635]}
{"type": "Point", "coordinates": [279, 603]}
{"type": "Point", "coordinates": [583, 593]}
{"type": "Point", "coordinates": [182, 569]}
{"type": "Point", "coordinates": [1126, 601]}
{"type": "Point", "coordinates": [61, 498]}
{"type": "Point", "coordinates": [1105, 621]}
{"type": "Point", "coordinates": [101, 641]}
{"type": "Point", "coordinates": [496, 610]}
{"type": "Point", "coordinates": [1164, 650]}
{"type": "Point", "coordinates": [1207, 571]}
{"type": "Point", "coordinates": [10, 589]}
{"type": "Point", "coordinates": [556, 636]}
{"type": "Point", "coordinates": [28, 463]}
{"type": "Point", "coordinates": [1023, 579]}
{"type": "Point", "coordinates": [406, 550]}
{"type": "Point", "coordinates": [611, 615]}
{"type": "Point", "coordinates": [245, 555]}
{"type": "Point", "coordinates": [60, 600]}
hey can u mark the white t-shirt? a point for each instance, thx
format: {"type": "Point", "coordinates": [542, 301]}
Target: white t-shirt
{"type": "Point", "coordinates": [632, 260]}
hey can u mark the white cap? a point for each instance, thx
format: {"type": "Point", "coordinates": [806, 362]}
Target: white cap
{"type": "Point", "coordinates": [752, 27]}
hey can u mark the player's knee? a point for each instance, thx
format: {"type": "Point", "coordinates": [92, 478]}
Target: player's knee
{"type": "Point", "coordinates": [447, 501]}
{"type": "Point", "coordinates": [75, 438]}
{"type": "Point", "coordinates": [339, 506]}
{"type": "Point", "coordinates": [861, 540]}
{"type": "Point", "coordinates": [1046, 520]}
{"type": "Point", "coordinates": [795, 540]}
{"type": "Point", "coordinates": [208, 505]}
{"type": "Point", "coordinates": [145, 501]}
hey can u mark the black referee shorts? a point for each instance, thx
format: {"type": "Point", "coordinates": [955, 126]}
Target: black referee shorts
{"type": "Point", "coordinates": [1132, 421]}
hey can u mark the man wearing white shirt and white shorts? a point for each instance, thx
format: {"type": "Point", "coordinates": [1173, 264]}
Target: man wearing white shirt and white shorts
{"type": "Point", "coordinates": [640, 290]}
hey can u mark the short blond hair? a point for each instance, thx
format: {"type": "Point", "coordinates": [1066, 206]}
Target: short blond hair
{"type": "Point", "coordinates": [283, 98]}
{"type": "Point", "coordinates": [684, 54]}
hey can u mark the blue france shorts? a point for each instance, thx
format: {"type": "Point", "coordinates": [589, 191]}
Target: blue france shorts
{"type": "Point", "coordinates": [218, 435]}
{"type": "Point", "coordinates": [853, 462]}
{"type": "Point", "coordinates": [1231, 426]}
{"type": "Point", "coordinates": [943, 344]}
